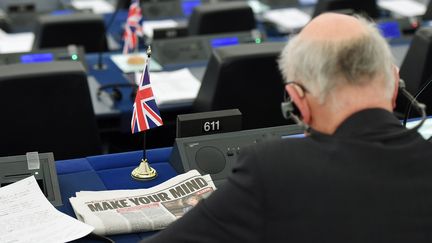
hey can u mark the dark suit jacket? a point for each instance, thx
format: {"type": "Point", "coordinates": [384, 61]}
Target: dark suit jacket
{"type": "Point", "coordinates": [369, 182]}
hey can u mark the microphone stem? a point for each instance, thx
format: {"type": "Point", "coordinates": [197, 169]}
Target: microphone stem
{"type": "Point", "coordinates": [421, 108]}
{"type": "Point", "coordinates": [100, 65]}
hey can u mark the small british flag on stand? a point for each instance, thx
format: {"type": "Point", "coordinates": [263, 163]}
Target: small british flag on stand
{"type": "Point", "coordinates": [133, 27]}
{"type": "Point", "coordinates": [145, 116]}
{"type": "Point", "coordinates": [145, 112]}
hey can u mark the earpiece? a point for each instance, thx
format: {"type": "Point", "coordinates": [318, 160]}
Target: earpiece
{"type": "Point", "coordinates": [291, 112]}
{"type": "Point", "coordinates": [287, 108]}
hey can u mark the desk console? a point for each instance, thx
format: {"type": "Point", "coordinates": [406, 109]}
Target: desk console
{"type": "Point", "coordinates": [69, 53]}
{"type": "Point", "coordinates": [185, 51]}
{"type": "Point", "coordinates": [215, 154]}
{"type": "Point", "coordinates": [161, 9]}
{"type": "Point", "coordinates": [15, 168]}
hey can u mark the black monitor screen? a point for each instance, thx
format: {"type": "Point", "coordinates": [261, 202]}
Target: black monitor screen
{"type": "Point", "coordinates": [368, 7]}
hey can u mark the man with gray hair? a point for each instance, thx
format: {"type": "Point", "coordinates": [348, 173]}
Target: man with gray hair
{"type": "Point", "coordinates": [343, 71]}
{"type": "Point", "coordinates": [357, 176]}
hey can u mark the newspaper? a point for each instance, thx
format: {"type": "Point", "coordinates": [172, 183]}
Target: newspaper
{"type": "Point", "coordinates": [128, 211]}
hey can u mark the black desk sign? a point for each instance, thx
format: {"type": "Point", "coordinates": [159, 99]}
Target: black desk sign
{"type": "Point", "coordinates": [211, 122]}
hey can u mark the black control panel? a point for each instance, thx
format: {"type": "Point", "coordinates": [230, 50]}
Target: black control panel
{"type": "Point", "coordinates": [161, 9]}
{"type": "Point", "coordinates": [69, 53]}
{"type": "Point", "coordinates": [215, 154]}
{"type": "Point", "coordinates": [15, 168]}
{"type": "Point", "coordinates": [196, 49]}
{"type": "Point", "coordinates": [281, 3]}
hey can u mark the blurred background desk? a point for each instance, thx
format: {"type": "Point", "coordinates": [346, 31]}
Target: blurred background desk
{"type": "Point", "coordinates": [114, 113]}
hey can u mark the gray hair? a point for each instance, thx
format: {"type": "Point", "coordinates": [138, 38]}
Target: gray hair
{"type": "Point", "coordinates": [323, 65]}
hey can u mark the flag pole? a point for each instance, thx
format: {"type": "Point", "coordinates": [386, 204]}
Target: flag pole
{"type": "Point", "coordinates": [148, 52]}
{"type": "Point", "coordinates": [144, 146]}
{"type": "Point", "coordinates": [144, 171]}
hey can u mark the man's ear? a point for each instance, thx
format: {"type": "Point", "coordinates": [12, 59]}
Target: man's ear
{"type": "Point", "coordinates": [396, 88]}
{"type": "Point", "coordinates": [298, 97]}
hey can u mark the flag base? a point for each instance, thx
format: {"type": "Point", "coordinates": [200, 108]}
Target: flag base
{"type": "Point", "coordinates": [144, 172]}
{"type": "Point", "coordinates": [135, 60]}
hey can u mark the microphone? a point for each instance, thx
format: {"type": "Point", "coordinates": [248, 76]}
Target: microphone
{"type": "Point", "coordinates": [116, 94]}
{"type": "Point", "coordinates": [420, 107]}
{"type": "Point", "coordinates": [100, 65]}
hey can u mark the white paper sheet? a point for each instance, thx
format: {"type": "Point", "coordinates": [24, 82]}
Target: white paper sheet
{"type": "Point", "coordinates": [405, 8]}
{"type": "Point", "coordinates": [308, 2]}
{"type": "Point", "coordinates": [287, 19]}
{"type": "Point", "coordinates": [174, 86]}
{"type": "Point", "coordinates": [149, 26]}
{"type": "Point", "coordinates": [27, 216]}
{"type": "Point", "coordinates": [425, 130]}
{"type": "Point", "coordinates": [121, 61]}
{"type": "Point", "coordinates": [19, 42]}
{"type": "Point", "coordinates": [258, 7]}
{"type": "Point", "coordinates": [97, 6]}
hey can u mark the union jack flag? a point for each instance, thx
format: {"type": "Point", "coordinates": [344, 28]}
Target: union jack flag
{"type": "Point", "coordinates": [145, 112]}
{"type": "Point", "coordinates": [133, 27]}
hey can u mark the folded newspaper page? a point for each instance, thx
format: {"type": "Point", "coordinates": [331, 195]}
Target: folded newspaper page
{"type": "Point", "coordinates": [128, 211]}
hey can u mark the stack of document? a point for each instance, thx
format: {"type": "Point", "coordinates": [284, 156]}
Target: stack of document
{"type": "Point", "coordinates": [173, 87]}
{"type": "Point", "coordinates": [19, 42]}
{"type": "Point", "coordinates": [169, 87]}
{"type": "Point", "coordinates": [27, 216]}
{"type": "Point", "coordinates": [97, 6]}
{"type": "Point", "coordinates": [287, 19]}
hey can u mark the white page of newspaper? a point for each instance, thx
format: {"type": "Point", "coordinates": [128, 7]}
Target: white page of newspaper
{"type": "Point", "coordinates": [138, 210]}
{"type": "Point", "coordinates": [126, 192]}
{"type": "Point", "coordinates": [27, 216]}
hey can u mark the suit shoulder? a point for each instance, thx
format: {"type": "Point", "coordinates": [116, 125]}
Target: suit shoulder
{"type": "Point", "coordinates": [272, 151]}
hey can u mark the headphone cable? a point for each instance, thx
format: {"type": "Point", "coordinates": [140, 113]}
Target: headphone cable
{"type": "Point", "coordinates": [413, 101]}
